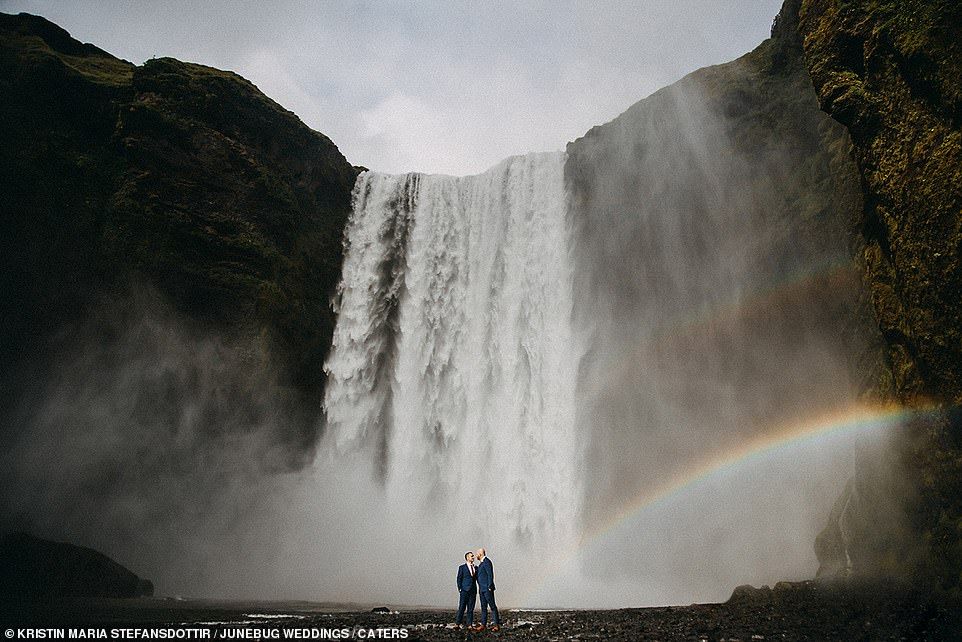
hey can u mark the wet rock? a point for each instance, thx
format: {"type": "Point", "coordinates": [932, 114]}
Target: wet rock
{"type": "Point", "coordinates": [889, 72]}
{"type": "Point", "coordinates": [746, 593]}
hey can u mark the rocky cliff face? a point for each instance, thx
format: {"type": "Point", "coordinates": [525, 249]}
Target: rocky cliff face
{"type": "Point", "coordinates": [713, 221]}
{"type": "Point", "coordinates": [180, 186]}
{"type": "Point", "coordinates": [170, 242]}
{"type": "Point", "coordinates": [889, 71]}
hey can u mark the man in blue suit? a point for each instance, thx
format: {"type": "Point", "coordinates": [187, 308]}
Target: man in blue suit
{"type": "Point", "coordinates": [467, 589]}
{"type": "Point", "coordinates": [486, 591]}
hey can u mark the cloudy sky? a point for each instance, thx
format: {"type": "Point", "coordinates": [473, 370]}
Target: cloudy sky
{"type": "Point", "coordinates": [436, 85]}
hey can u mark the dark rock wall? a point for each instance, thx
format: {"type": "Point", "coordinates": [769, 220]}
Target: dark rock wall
{"type": "Point", "coordinates": [170, 239]}
{"type": "Point", "coordinates": [170, 178]}
{"type": "Point", "coordinates": [712, 223]}
{"type": "Point", "coordinates": [889, 71]}
{"type": "Point", "coordinates": [35, 569]}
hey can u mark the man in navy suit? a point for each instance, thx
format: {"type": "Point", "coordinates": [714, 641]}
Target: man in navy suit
{"type": "Point", "coordinates": [467, 589]}
{"type": "Point", "coordinates": [486, 591]}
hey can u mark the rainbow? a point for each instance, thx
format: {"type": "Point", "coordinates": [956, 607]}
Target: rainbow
{"type": "Point", "coordinates": [796, 286]}
{"type": "Point", "coordinates": [832, 275]}
{"type": "Point", "coordinates": [849, 420]}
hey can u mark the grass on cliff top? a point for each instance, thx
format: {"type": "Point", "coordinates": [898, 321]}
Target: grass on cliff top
{"type": "Point", "coordinates": [214, 84]}
{"type": "Point", "coordinates": [104, 69]}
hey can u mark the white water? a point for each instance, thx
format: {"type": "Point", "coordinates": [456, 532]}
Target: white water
{"type": "Point", "coordinates": [453, 360]}
{"type": "Point", "coordinates": [460, 412]}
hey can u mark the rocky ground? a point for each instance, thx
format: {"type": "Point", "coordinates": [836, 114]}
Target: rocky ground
{"type": "Point", "coordinates": [802, 611]}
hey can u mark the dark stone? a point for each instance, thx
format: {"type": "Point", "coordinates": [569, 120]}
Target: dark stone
{"type": "Point", "coordinates": [171, 177]}
{"type": "Point", "coordinates": [870, 612]}
{"type": "Point", "coordinates": [889, 71]}
{"type": "Point", "coordinates": [32, 568]}
{"type": "Point", "coordinates": [746, 593]}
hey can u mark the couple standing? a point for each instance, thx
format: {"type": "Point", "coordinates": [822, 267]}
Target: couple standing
{"type": "Point", "coordinates": [472, 580]}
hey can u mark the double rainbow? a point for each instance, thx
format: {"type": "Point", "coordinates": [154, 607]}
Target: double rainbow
{"type": "Point", "coordinates": [853, 420]}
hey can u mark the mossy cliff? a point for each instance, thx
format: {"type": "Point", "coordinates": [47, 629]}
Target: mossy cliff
{"type": "Point", "coordinates": [170, 178]}
{"type": "Point", "coordinates": [889, 71]}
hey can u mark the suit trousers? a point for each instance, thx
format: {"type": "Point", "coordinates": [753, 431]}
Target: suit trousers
{"type": "Point", "coordinates": [487, 598]}
{"type": "Point", "coordinates": [466, 601]}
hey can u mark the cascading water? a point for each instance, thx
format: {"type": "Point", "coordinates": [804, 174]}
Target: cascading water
{"type": "Point", "coordinates": [453, 359]}
{"type": "Point", "coordinates": [528, 357]}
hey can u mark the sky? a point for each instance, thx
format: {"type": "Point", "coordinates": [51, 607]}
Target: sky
{"type": "Point", "coordinates": [440, 86]}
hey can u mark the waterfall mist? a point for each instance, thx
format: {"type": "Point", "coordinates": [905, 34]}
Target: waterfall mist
{"type": "Point", "coordinates": [715, 286]}
{"type": "Point", "coordinates": [712, 300]}
{"type": "Point", "coordinates": [154, 441]}
{"type": "Point", "coordinates": [453, 362]}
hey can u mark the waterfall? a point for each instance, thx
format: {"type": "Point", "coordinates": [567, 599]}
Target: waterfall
{"type": "Point", "coordinates": [453, 359]}
{"type": "Point", "coordinates": [545, 358]}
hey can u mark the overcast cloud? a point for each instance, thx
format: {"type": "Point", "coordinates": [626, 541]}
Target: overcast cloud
{"type": "Point", "coordinates": [440, 85]}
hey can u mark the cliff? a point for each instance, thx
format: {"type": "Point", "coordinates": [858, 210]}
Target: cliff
{"type": "Point", "coordinates": [712, 222]}
{"type": "Point", "coordinates": [167, 185]}
{"type": "Point", "coordinates": [36, 569]}
{"type": "Point", "coordinates": [889, 71]}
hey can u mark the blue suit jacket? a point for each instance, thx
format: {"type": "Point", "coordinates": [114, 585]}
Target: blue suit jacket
{"type": "Point", "coordinates": [486, 575]}
{"type": "Point", "coordinates": [466, 581]}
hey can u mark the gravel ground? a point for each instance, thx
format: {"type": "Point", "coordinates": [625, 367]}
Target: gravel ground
{"type": "Point", "coordinates": [802, 611]}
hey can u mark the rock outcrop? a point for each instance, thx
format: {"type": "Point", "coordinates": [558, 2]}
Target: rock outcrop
{"type": "Point", "coordinates": [170, 178]}
{"type": "Point", "coordinates": [32, 568]}
{"type": "Point", "coordinates": [889, 71]}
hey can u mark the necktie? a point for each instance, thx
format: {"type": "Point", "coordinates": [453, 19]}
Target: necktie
{"type": "Point", "coordinates": [472, 569]}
